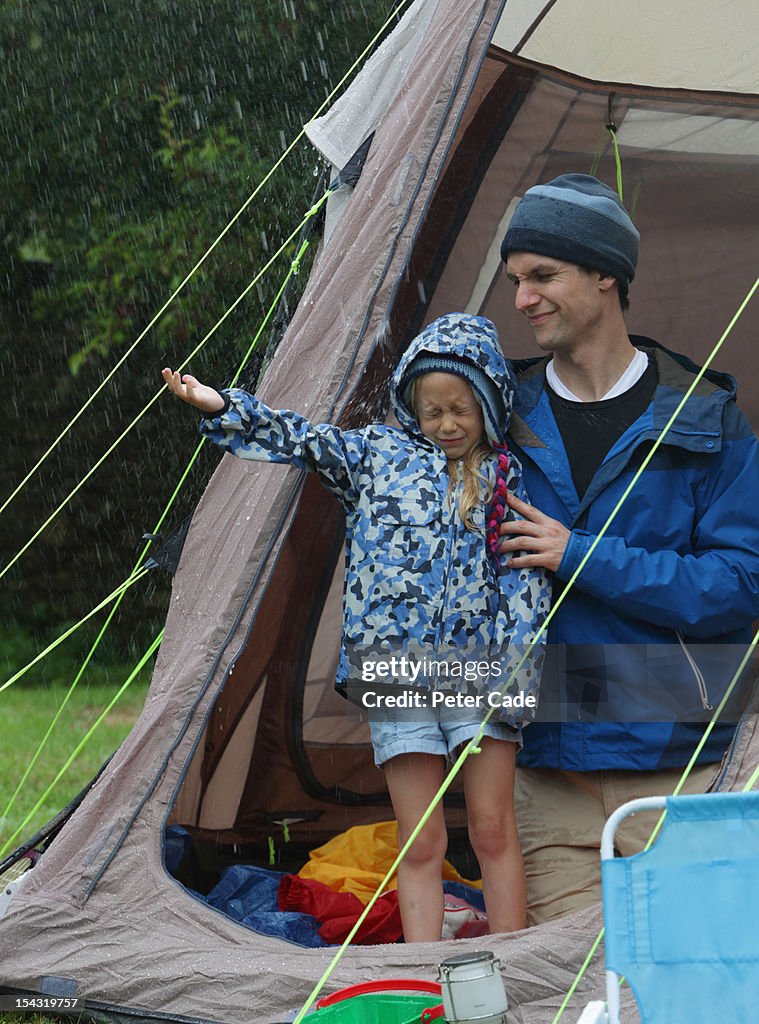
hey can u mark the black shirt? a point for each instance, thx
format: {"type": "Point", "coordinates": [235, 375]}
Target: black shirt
{"type": "Point", "coordinates": [590, 429]}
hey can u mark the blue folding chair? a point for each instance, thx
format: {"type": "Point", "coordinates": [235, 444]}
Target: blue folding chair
{"type": "Point", "coordinates": [682, 918]}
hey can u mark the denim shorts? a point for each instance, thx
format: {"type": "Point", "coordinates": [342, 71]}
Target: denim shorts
{"type": "Point", "coordinates": [431, 736]}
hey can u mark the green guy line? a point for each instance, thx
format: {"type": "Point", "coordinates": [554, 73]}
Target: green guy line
{"type": "Point", "coordinates": [752, 781]}
{"type": "Point", "coordinates": [471, 747]}
{"type": "Point", "coordinates": [84, 741]}
{"type": "Point", "coordinates": [61, 708]}
{"type": "Point", "coordinates": [699, 747]}
{"type": "Point", "coordinates": [205, 255]}
{"type": "Point", "coordinates": [579, 976]}
{"type": "Point", "coordinates": [72, 629]}
{"type": "Point", "coordinates": [707, 732]}
{"type": "Point", "coordinates": [617, 162]}
{"type": "Point", "coordinates": [601, 533]}
{"type": "Point", "coordinates": [613, 514]}
{"type": "Point", "coordinates": [311, 213]}
{"type": "Point", "coordinates": [294, 268]}
{"type": "Point", "coordinates": [133, 577]}
{"type": "Point", "coordinates": [657, 444]}
{"type": "Point", "coordinates": [617, 159]}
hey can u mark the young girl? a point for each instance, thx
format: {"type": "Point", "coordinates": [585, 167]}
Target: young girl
{"type": "Point", "coordinates": [423, 506]}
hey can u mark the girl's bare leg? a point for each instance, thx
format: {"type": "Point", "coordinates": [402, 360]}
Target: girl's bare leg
{"type": "Point", "coordinates": [489, 790]}
{"type": "Point", "coordinates": [413, 780]}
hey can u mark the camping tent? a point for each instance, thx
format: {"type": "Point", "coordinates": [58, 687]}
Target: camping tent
{"type": "Point", "coordinates": [467, 103]}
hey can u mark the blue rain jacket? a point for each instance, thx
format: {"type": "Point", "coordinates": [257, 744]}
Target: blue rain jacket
{"type": "Point", "coordinates": [414, 574]}
{"type": "Point", "coordinates": [652, 631]}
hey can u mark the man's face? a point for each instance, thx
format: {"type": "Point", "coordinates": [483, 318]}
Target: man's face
{"type": "Point", "coordinates": [562, 303]}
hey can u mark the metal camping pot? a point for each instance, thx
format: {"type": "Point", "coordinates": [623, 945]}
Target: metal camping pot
{"type": "Point", "coordinates": [473, 989]}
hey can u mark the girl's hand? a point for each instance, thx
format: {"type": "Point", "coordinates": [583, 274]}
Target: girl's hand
{"type": "Point", "coordinates": [190, 390]}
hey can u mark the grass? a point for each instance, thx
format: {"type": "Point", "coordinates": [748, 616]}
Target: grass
{"type": "Point", "coordinates": [26, 713]}
{"type": "Point", "coordinates": [27, 709]}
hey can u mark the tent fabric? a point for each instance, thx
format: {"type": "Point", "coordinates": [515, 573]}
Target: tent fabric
{"type": "Point", "coordinates": [350, 121]}
{"type": "Point", "coordinates": [669, 45]}
{"type": "Point", "coordinates": [352, 118]}
{"type": "Point", "coordinates": [241, 737]}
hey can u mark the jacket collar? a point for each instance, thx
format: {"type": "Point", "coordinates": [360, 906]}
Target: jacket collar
{"type": "Point", "coordinates": [700, 416]}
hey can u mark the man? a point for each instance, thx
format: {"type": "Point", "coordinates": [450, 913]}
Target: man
{"type": "Point", "coordinates": [648, 636]}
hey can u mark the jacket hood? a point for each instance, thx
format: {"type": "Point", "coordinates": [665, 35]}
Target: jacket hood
{"type": "Point", "coordinates": [474, 341]}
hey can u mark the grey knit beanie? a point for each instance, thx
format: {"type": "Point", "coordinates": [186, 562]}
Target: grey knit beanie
{"type": "Point", "coordinates": [576, 218]}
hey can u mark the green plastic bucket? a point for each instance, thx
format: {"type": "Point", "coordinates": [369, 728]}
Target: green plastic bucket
{"type": "Point", "coordinates": [377, 1008]}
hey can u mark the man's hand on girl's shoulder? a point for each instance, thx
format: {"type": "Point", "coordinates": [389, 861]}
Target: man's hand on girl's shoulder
{"type": "Point", "coordinates": [539, 540]}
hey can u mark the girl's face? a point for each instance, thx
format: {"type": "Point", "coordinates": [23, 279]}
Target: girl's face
{"type": "Point", "coordinates": [448, 414]}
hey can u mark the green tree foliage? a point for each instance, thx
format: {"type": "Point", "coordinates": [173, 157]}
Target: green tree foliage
{"type": "Point", "coordinates": [132, 133]}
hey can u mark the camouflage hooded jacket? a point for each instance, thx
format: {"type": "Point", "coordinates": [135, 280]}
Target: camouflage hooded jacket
{"type": "Point", "coordinates": [415, 575]}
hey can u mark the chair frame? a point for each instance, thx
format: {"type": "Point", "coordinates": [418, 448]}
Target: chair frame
{"type": "Point", "coordinates": [646, 803]}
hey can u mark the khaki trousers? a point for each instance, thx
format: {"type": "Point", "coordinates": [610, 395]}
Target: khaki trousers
{"type": "Point", "coordinates": [560, 817]}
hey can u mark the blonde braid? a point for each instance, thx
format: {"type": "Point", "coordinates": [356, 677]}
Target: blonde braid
{"type": "Point", "coordinates": [474, 480]}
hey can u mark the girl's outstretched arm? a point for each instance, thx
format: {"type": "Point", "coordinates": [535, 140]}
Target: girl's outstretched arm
{"type": "Point", "coordinates": [190, 390]}
{"type": "Point", "coordinates": [248, 428]}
